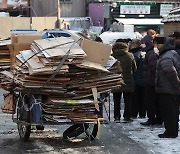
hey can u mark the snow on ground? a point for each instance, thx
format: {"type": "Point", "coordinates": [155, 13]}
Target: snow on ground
{"type": "Point", "coordinates": [147, 137]}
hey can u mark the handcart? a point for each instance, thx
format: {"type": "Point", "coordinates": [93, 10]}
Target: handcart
{"type": "Point", "coordinates": [41, 89]}
{"type": "Point", "coordinates": [29, 112]}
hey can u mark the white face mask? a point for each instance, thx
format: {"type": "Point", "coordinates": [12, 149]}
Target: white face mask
{"type": "Point", "coordinates": [143, 45]}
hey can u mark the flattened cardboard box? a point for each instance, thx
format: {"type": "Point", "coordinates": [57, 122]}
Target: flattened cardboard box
{"type": "Point", "coordinates": [21, 46]}
{"type": "Point", "coordinates": [24, 38]}
{"type": "Point", "coordinates": [97, 52]}
{"type": "Point", "coordinates": [14, 50]}
{"type": "Point", "coordinates": [28, 38]}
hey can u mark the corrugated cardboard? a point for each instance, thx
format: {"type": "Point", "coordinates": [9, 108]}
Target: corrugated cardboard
{"type": "Point", "coordinates": [24, 38]}
{"type": "Point", "coordinates": [97, 52]}
{"type": "Point", "coordinates": [14, 38]}
{"type": "Point", "coordinates": [58, 47]}
{"type": "Point", "coordinates": [36, 66]}
{"type": "Point", "coordinates": [14, 50]}
{"type": "Point", "coordinates": [21, 46]}
{"type": "Point", "coordinates": [20, 42]}
{"type": "Point", "coordinates": [28, 38]}
{"type": "Point", "coordinates": [92, 65]}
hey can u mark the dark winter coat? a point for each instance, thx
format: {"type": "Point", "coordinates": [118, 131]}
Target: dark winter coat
{"type": "Point", "coordinates": [177, 48]}
{"type": "Point", "coordinates": [128, 64]}
{"type": "Point", "coordinates": [148, 41]}
{"type": "Point", "coordinates": [168, 71]}
{"type": "Point", "coordinates": [139, 58]}
{"type": "Point", "coordinates": [150, 61]}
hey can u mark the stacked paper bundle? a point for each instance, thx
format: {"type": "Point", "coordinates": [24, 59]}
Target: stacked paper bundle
{"type": "Point", "coordinates": [76, 110]}
{"type": "Point", "coordinates": [58, 67]}
{"type": "Point", "coordinates": [62, 70]}
{"type": "Point", "coordinates": [4, 55]}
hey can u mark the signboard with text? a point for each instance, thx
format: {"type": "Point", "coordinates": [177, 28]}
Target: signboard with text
{"type": "Point", "coordinates": [165, 9]}
{"type": "Point", "coordinates": [135, 9]}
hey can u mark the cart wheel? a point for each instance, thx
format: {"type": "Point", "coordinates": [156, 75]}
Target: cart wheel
{"type": "Point", "coordinates": [75, 130]}
{"type": "Point", "coordinates": [40, 127]}
{"type": "Point", "coordinates": [24, 116]}
{"type": "Point", "coordinates": [91, 131]}
{"type": "Point", "coordinates": [24, 131]}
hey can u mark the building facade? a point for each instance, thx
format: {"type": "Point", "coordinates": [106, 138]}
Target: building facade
{"type": "Point", "coordinates": [68, 8]}
{"type": "Point", "coordinates": [172, 21]}
{"type": "Point", "coordinates": [143, 14]}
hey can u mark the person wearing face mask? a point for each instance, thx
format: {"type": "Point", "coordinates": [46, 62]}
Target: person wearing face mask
{"type": "Point", "coordinates": [167, 82]}
{"type": "Point", "coordinates": [149, 70]}
{"type": "Point", "coordinates": [138, 103]}
{"type": "Point", "coordinates": [176, 36]}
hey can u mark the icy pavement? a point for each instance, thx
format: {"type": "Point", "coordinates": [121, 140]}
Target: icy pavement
{"type": "Point", "coordinates": [148, 138]}
{"type": "Point", "coordinates": [113, 138]}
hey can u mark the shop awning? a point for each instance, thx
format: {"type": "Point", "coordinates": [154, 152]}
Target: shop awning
{"type": "Point", "coordinates": [133, 21]}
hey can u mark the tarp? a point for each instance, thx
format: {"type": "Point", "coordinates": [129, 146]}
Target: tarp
{"type": "Point", "coordinates": [110, 37]}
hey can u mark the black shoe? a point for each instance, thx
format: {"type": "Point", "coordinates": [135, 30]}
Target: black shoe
{"type": "Point", "coordinates": [158, 123]}
{"type": "Point", "coordinates": [142, 117]}
{"type": "Point", "coordinates": [134, 117]}
{"type": "Point", "coordinates": [117, 120]}
{"type": "Point", "coordinates": [164, 135]}
{"type": "Point", "coordinates": [128, 120]}
{"type": "Point", "coordinates": [147, 123]}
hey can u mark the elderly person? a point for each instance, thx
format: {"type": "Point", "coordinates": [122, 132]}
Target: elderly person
{"type": "Point", "coordinates": [128, 64]}
{"type": "Point", "coordinates": [138, 103]}
{"type": "Point", "coordinates": [151, 57]}
{"type": "Point", "coordinates": [168, 85]}
{"type": "Point", "coordinates": [176, 36]}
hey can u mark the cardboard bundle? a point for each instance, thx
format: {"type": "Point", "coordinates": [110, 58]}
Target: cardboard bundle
{"type": "Point", "coordinates": [4, 55]}
{"type": "Point", "coordinates": [19, 42]}
{"type": "Point", "coordinates": [66, 73]}
{"type": "Point", "coordinates": [63, 70]}
{"type": "Point", "coordinates": [58, 47]}
{"type": "Point", "coordinates": [75, 110]}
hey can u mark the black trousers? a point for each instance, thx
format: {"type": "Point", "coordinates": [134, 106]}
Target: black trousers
{"type": "Point", "coordinates": [152, 105]}
{"type": "Point", "coordinates": [170, 112]}
{"type": "Point", "coordinates": [127, 104]}
{"type": "Point", "coordinates": [138, 102]}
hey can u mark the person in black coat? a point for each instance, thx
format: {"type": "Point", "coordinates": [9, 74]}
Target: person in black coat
{"type": "Point", "coordinates": [152, 106]}
{"type": "Point", "coordinates": [168, 85]}
{"type": "Point", "coordinates": [128, 64]}
{"type": "Point", "coordinates": [176, 36]}
{"type": "Point", "coordinates": [138, 103]}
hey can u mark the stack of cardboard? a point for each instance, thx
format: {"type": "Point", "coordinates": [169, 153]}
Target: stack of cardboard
{"type": "Point", "coordinates": [4, 55]}
{"type": "Point", "coordinates": [73, 78]}
{"type": "Point", "coordinates": [19, 42]}
{"type": "Point", "coordinates": [75, 110]}
{"type": "Point", "coordinates": [62, 69]}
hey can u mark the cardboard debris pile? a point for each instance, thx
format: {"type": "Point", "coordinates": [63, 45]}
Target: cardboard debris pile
{"type": "Point", "coordinates": [63, 69]}
{"type": "Point", "coordinates": [21, 41]}
{"type": "Point", "coordinates": [77, 110]}
{"type": "Point", "coordinates": [4, 54]}
{"type": "Point", "coordinates": [58, 66]}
